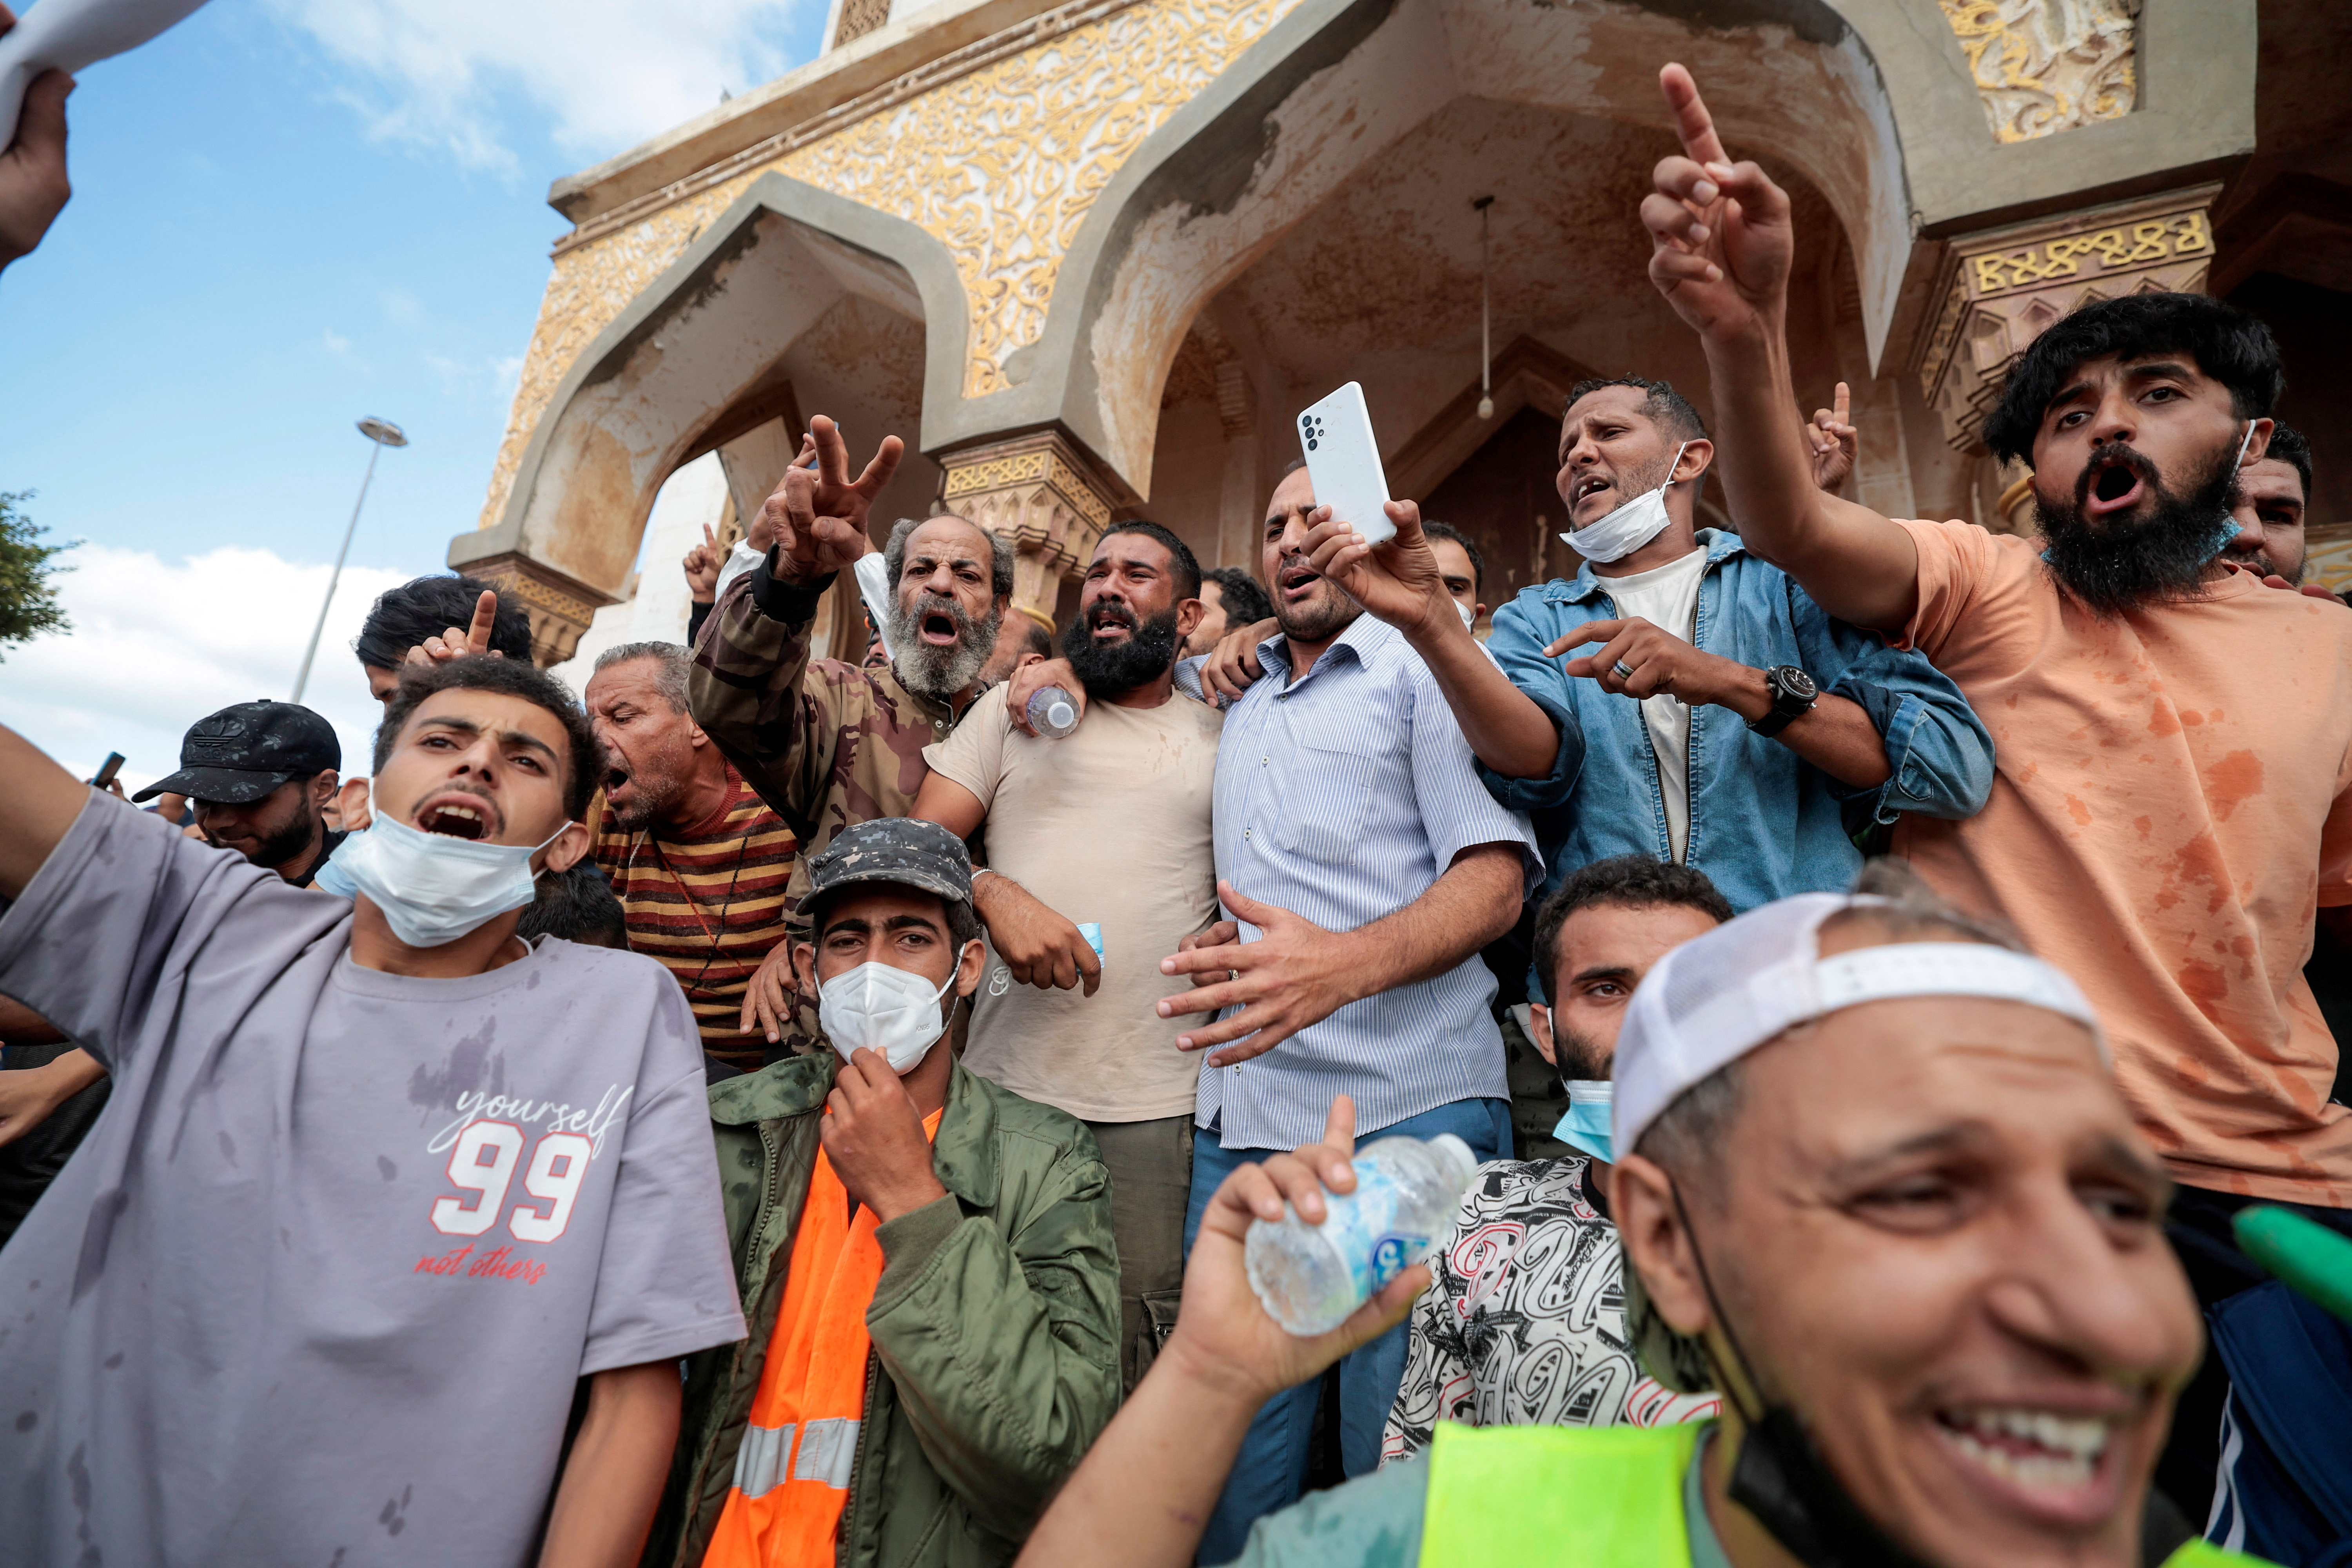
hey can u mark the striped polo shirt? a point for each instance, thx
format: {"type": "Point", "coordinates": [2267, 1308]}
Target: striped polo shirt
{"type": "Point", "coordinates": [707, 901]}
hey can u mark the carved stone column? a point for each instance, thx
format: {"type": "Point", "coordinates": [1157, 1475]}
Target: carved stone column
{"type": "Point", "coordinates": [559, 606]}
{"type": "Point", "coordinates": [2002, 287]}
{"type": "Point", "coordinates": [1042, 493]}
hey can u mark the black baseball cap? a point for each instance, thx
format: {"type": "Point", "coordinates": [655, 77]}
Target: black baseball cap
{"type": "Point", "coordinates": [241, 752]}
{"type": "Point", "coordinates": [902, 849]}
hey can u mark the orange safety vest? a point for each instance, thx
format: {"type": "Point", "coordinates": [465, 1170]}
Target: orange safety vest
{"type": "Point", "coordinates": [791, 1473]}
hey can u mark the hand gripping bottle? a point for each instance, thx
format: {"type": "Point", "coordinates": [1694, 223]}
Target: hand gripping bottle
{"type": "Point", "coordinates": [1053, 712]}
{"type": "Point", "coordinates": [1311, 1277]}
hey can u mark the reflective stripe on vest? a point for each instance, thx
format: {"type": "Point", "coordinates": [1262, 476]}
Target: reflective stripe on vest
{"type": "Point", "coordinates": [1587, 1496]}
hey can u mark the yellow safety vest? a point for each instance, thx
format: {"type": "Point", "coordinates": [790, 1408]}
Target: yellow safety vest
{"type": "Point", "coordinates": [1584, 1497]}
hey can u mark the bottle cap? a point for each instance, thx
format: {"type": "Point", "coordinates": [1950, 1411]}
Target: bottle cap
{"type": "Point", "coordinates": [1061, 714]}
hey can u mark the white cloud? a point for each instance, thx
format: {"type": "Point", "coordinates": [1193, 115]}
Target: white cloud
{"type": "Point", "coordinates": [155, 647]}
{"type": "Point", "coordinates": [445, 73]}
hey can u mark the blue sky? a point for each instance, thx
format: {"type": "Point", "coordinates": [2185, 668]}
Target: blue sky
{"type": "Point", "coordinates": [289, 213]}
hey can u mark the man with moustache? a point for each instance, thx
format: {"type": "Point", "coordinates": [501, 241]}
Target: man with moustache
{"type": "Point", "coordinates": [827, 744]}
{"type": "Point", "coordinates": [2173, 808]}
{"type": "Point", "coordinates": [260, 778]}
{"type": "Point", "coordinates": [1130, 788]}
{"type": "Point", "coordinates": [1361, 866]}
{"type": "Point", "coordinates": [698, 861]}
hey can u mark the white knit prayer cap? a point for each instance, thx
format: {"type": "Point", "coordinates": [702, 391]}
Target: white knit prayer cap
{"type": "Point", "coordinates": [1719, 997]}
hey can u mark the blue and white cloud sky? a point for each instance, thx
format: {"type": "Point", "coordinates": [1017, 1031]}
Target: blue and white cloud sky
{"type": "Point", "coordinates": [289, 213]}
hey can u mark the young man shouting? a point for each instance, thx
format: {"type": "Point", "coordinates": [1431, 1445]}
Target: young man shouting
{"type": "Point", "coordinates": [378, 1185]}
{"type": "Point", "coordinates": [2174, 794]}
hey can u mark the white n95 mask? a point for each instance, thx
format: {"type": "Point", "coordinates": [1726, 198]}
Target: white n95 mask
{"type": "Point", "coordinates": [875, 1007]}
{"type": "Point", "coordinates": [1630, 527]}
{"type": "Point", "coordinates": [432, 888]}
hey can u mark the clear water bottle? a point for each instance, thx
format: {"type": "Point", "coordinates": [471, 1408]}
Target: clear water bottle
{"type": "Point", "coordinates": [1311, 1277]}
{"type": "Point", "coordinates": [1053, 712]}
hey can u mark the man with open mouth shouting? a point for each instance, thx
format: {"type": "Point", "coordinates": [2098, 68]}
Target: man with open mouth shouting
{"type": "Point", "coordinates": [829, 745]}
{"type": "Point", "coordinates": [2173, 798]}
{"type": "Point", "coordinates": [379, 1183]}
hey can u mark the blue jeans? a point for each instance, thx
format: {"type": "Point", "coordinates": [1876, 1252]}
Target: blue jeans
{"type": "Point", "coordinates": [1271, 1469]}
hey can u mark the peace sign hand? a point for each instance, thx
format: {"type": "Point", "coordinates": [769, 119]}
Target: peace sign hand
{"type": "Point", "coordinates": [818, 516]}
{"type": "Point", "coordinates": [1720, 231]}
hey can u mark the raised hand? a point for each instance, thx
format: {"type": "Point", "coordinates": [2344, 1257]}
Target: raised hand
{"type": "Point", "coordinates": [1034, 676]}
{"type": "Point", "coordinates": [1720, 231]}
{"type": "Point", "coordinates": [1232, 668]}
{"type": "Point", "coordinates": [701, 565]}
{"type": "Point", "coordinates": [874, 1139]}
{"type": "Point", "coordinates": [33, 185]}
{"type": "Point", "coordinates": [1296, 975]}
{"type": "Point", "coordinates": [1833, 440]}
{"type": "Point", "coordinates": [1037, 943]}
{"type": "Point", "coordinates": [454, 642]}
{"type": "Point", "coordinates": [817, 517]}
{"type": "Point", "coordinates": [1223, 1329]}
{"type": "Point", "coordinates": [1397, 581]}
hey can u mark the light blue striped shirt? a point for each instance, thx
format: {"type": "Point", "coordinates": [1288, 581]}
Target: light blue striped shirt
{"type": "Point", "coordinates": [1341, 797]}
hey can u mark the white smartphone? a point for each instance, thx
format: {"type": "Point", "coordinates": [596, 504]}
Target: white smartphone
{"type": "Point", "coordinates": [1344, 462]}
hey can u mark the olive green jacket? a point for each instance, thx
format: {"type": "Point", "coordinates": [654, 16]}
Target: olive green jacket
{"type": "Point", "coordinates": [995, 1326]}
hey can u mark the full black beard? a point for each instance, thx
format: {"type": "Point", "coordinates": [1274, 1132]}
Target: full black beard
{"type": "Point", "coordinates": [287, 843]}
{"type": "Point", "coordinates": [1107, 669]}
{"type": "Point", "coordinates": [2118, 567]}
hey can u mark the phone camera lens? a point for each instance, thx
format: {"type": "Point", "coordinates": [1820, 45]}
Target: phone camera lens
{"type": "Point", "coordinates": [1311, 443]}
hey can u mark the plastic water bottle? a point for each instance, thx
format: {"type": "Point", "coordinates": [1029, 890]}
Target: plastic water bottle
{"type": "Point", "coordinates": [1053, 712]}
{"type": "Point", "coordinates": [1311, 1277]}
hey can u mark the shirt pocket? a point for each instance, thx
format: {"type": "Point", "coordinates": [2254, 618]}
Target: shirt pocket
{"type": "Point", "coordinates": [1329, 795]}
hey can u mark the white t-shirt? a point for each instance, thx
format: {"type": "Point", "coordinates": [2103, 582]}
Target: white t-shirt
{"type": "Point", "coordinates": [319, 1285]}
{"type": "Point", "coordinates": [1668, 597]}
{"type": "Point", "coordinates": [1109, 825]}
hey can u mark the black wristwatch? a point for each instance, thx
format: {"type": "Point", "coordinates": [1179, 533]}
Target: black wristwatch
{"type": "Point", "coordinates": [1794, 696]}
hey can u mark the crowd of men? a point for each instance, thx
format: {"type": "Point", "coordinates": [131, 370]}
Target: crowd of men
{"type": "Point", "coordinates": [768, 1109]}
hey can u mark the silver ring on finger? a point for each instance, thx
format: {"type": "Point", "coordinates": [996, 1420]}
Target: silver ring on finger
{"type": "Point", "coordinates": [1622, 673]}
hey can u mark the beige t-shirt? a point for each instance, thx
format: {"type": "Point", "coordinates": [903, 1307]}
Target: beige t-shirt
{"type": "Point", "coordinates": [1108, 824]}
{"type": "Point", "coordinates": [2174, 798]}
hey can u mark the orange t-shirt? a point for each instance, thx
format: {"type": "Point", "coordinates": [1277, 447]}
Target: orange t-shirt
{"type": "Point", "coordinates": [2173, 800]}
{"type": "Point", "coordinates": [791, 1472]}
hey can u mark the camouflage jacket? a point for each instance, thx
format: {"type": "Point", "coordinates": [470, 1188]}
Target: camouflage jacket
{"type": "Point", "coordinates": [825, 744]}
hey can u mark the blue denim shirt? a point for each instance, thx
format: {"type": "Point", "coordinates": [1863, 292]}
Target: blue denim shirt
{"type": "Point", "coordinates": [1764, 823]}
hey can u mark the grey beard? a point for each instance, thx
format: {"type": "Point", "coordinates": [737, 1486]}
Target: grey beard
{"type": "Point", "coordinates": [939, 673]}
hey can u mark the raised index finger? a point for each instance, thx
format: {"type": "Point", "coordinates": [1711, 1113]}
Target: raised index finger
{"type": "Point", "coordinates": [486, 617]}
{"type": "Point", "coordinates": [1693, 123]}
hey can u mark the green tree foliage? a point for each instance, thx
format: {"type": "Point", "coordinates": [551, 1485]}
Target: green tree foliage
{"type": "Point", "coordinates": [28, 589]}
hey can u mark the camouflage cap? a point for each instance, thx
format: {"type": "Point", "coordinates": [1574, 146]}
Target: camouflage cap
{"type": "Point", "coordinates": [241, 752]}
{"type": "Point", "coordinates": [901, 849]}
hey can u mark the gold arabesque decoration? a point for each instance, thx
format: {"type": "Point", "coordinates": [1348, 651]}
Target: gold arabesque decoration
{"type": "Point", "coordinates": [2046, 66]}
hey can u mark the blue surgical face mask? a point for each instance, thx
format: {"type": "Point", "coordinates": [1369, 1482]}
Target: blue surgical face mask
{"type": "Point", "coordinates": [2226, 532]}
{"type": "Point", "coordinates": [1585, 1128]}
{"type": "Point", "coordinates": [432, 888]}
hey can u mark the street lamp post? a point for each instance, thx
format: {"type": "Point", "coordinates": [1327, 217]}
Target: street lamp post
{"type": "Point", "coordinates": [382, 433]}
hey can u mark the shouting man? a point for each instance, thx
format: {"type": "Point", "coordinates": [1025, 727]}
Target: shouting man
{"type": "Point", "coordinates": [829, 745]}
{"type": "Point", "coordinates": [1131, 787]}
{"type": "Point", "coordinates": [699, 862]}
{"type": "Point", "coordinates": [379, 1182]}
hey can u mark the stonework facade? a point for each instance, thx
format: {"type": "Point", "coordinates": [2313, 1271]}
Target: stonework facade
{"type": "Point", "coordinates": [1089, 259]}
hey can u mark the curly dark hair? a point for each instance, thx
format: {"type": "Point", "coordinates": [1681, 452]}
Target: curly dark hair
{"type": "Point", "coordinates": [2233, 347]}
{"type": "Point", "coordinates": [584, 767]}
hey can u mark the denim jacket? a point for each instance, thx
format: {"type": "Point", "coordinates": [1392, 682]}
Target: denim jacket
{"type": "Point", "coordinates": [1764, 823]}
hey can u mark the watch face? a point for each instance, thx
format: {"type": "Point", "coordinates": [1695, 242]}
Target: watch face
{"type": "Point", "coordinates": [1798, 682]}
